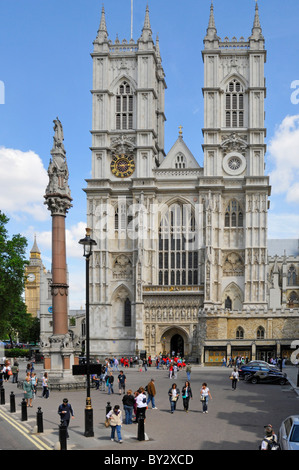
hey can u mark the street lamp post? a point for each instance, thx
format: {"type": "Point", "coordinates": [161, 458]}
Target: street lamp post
{"type": "Point", "coordinates": [87, 243]}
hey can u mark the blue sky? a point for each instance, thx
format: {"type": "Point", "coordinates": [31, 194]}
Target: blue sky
{"type": "Point", "coordinates": [46, 70]}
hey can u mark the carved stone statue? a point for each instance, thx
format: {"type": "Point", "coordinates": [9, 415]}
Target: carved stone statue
{"type": "Point", "coordinates": [58, 194]}
{"type": "Point", "coordinates": [58, 136]}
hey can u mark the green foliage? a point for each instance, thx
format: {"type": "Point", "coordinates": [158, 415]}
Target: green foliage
{"type": "Point", "coordinates": [13, 313]}
{"type": "Point", "coordinates": [16, 352]}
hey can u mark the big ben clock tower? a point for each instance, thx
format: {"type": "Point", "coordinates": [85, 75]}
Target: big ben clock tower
{"type": "Point", "coordinates": [32, 282]}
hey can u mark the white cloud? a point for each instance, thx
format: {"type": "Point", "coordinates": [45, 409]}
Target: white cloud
{"type": "Point", "coordinates": [72, 237]}
{"type": "Point", "coordinates": [23, 181]}
{"type": "Point", "coordinates": [283, 154]}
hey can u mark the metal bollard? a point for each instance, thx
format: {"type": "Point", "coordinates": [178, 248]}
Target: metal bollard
{"type": "Point", "coordinates": [39, 420]}
{"type": "Point", "coordinates": [140, 430]}
{"type": "Point", "coordinates": [108, 407]}
{"type": "Point", "coordinates": [24, 410]}
{"type": "Point", "coordinates": [2, 396]}
{"type": "Point", "coordinates": [62, 437]}
{"type": "Point", "coordinates": [12, 402]}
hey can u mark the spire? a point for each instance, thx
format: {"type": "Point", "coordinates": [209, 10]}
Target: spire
{"type": "Point", "coordinates": [102, 31]}
{"type": "Point", "coordinates": [257, 29]}
{"type": "Point", "coordinates": [35, 251]}
{"type": "Point", "coordinates": [146, 30]}
{"type": "Point", "coordinates": [159, 60]}
{"type": "Point", "coordinates": [35, 248]}
{"type": "Point", "coordinates": [211, 30]}
{"type": "Point", "coordinates": [212, 18]}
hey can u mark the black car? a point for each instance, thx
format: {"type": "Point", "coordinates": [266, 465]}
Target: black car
{"type": "Point", "coordinates": [266, 377]}
{"type": "Point", "coordinates": [248, 369]}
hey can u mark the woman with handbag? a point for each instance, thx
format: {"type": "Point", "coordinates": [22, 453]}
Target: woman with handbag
{"type": "Point", "coordinates": [115, 419]}
{"type": "Point", "coordinates": [174, 395]}
{"type": "Point", "coordinates": [204, 397]}
{"type": "Point", "coordinates": [7, 371]}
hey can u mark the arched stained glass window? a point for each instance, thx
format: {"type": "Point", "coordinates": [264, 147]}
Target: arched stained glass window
{"type": "Point", "coordinates": [178, 255]}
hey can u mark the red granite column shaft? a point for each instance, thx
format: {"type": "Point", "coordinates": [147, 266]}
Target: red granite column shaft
{"type": "Point", "coordinates": [59, 276]}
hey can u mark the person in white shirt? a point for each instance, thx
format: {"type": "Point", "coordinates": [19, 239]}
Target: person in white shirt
{"type": "Point", "coordinates": [204, 397]}
{"type": "Point", "coordinates": [234, 378]}
{"type": "Point", "coordinates": [141, 402]}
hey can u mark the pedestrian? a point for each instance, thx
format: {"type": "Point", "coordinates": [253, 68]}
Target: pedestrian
{"type": "Point", "coordinates": [174, 395]}
{"type": "Point", "coordinates": [128, 402]}
{"type": "Point", "coordinates": [45, 384]}
{"type": "Point", "coordinates": [186, 395]}
{"type": "Point", "coordinates": [115, 420]}
{"type": "Point", "coordinates": [115, 364]}
{"type": "Point", "coordinates": [234, 378]}
{"type": "Point", "coordinates": [151, 391]}
{"type": "Point", "coordinates": [188, 371]}
{"type": "Point", "coordinates": [28, 391]}
{"type": "Point", "coordinates": [204, 397]}
{"type": "Point", "coordinates": [141, 404]}
{"type": "Point", "coordinates": [270, 439]}
{"type": "Point", "coordinates": [65, 412]}
{"type": "Point", "coordinates": [15, 372]}
{"type": "Point", "coordinates": [34, 383]}
{"type": "Point", "coordinates": [7, 371]}
{"type": "Point", "coordinates": [110, 381]}
{"type": "Point", "coordinates": [122, 382]}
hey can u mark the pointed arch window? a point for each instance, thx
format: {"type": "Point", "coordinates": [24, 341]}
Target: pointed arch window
{"type": "Point", "coordinates": [233, 215]}
{"type": "Point", "coordinates": [178, 257]}
{"type": "Point", "coordinates": [124, 107]}
{"type": "Point", "coordinates": [239, 333]}
{"type": "Point", "coordinates": [292, 277]}
{"type": "Point", "coordinates": [128, 313]}
{"type": "Point", "coordinates": [234, 104]}
{"type": "Point", "coordinates": [122, 217]}
{"type": "Point", "coordinates": [260, 334]}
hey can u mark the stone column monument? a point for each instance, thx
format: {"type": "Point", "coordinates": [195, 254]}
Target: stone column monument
{"type": "Point", "coordinates": [59, 349]}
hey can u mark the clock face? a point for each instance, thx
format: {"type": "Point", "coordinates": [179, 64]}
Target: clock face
{"type": "Point", "coordinates": [122, 166]}
{"type": "Point", "coordinates": [31, 277]}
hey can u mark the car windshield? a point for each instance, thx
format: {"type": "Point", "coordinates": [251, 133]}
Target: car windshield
{"type": "Point", "coordinates": [295, 434]}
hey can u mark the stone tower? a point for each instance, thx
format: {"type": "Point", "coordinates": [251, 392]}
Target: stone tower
{"type": "Point", "coordinates": [234, 149]}
{"type": "Point", "coordinates": [127, 146]}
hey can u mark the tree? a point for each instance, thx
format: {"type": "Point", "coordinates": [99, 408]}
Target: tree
{"type": "Point", "coordinates": [13, 311]}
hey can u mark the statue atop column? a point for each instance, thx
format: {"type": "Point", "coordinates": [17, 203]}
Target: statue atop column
{"type": "Point", "coordinates": [58, 194]}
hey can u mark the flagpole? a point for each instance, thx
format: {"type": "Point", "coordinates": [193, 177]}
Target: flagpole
{"type": "Point", "coordinates": [131, 19]}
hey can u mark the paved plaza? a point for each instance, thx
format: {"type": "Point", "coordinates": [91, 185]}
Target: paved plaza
{"type": "Point", "coordinates": [235, 420]}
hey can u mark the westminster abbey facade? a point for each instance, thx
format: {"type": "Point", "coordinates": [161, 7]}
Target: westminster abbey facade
{"type": "Point", "coordinates": [181, 263]}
